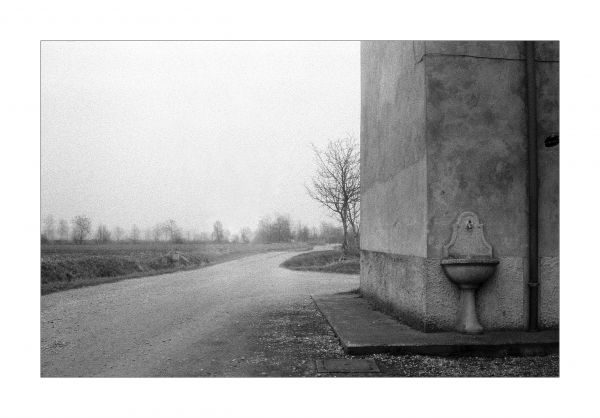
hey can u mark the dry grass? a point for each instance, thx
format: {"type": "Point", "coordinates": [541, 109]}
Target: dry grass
{"type": "Point", "coordinates": [329, 261]}
{"type": "Point", "coordinates": [67, 266]}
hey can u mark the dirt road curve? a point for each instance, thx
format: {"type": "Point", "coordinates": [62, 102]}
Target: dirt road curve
{"type": "Point", "coordinates": [193, 323]}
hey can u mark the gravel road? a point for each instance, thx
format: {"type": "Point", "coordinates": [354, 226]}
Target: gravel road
{"type": "Point", "coordinates": [195, 323]}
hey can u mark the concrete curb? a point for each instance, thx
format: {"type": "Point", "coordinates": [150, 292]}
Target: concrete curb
{"type": "Point", "coordinates": [363, 330]}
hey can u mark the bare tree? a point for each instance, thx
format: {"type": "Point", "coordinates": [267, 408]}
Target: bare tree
{"type": "Point", "coordinates": [331, 233]}
{"type": "Point", "coordinates": [282, 228]}
{"type": "Point", "coordinates": [264, 230]}
{"type": "Point", "coordinates": [119, 233]}
{"type": "Point", "coordinates": [172, 231]}
{"type": "Point", "coordinates": [135, 233]}
{"type": "Point", "coordinates": [82, 226]}
{"type": "Point", "coordinates": [102, 234]}
{"type": "Point", "coordinates": [314, 233]}
{"type": "Point", "coordinates": [336, 184]}
{"type": "Point", "coordinates": [302, 232]}
{"type": "Point", "coordinates": [354, 220]}
{"type": "Point", "coordinates": [218, 234]}
{"type": "Point", "coordinates": [49, 228]}
{"type": "Point", "coordinates": [157, 232]}
{"type": "Point", "coordinates": [245, 235]}
{"type": "Point", "coordinates": [63, 230]}
{"type": "Point", "coordinates": [274, 230]}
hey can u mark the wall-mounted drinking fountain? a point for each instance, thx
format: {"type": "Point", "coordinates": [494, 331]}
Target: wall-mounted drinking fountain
{"type": "Point", "coordinates": [468, 262]}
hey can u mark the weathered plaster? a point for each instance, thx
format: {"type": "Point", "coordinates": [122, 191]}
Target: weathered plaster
{"type": "Point", "coordinates": [393, 149]}
{"type": "Point", "coordinates": [484, 49]}
{"type": "Point", "coordinates": [549, 292]}
{"type": "Point", "coordinates": [500, 300]}
{"type": "Point", "coordinates": [547, 79]}
{"type": "Point", "coordinates": [395, 284]}
{"type": "Point", "coordinates": [396, 210]}
{"type": "Point", "coordinates": [476, 150]}
{"type": "Point", "coordinates": [393, 110]}
{"type": "Point", "coordinates": [547, 51]}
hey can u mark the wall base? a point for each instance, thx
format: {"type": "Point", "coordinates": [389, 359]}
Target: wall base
{"type": "Point", "coordinates": [416, 290]}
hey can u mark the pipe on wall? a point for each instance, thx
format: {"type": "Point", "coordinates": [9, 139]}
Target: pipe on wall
{"type": "Point", "coordinates": [533, 283]}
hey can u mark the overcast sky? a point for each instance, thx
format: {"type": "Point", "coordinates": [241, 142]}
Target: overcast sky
{"type": "Point", "coordinates": [139, 132]}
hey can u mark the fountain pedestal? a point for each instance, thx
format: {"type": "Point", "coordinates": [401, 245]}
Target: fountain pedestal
{"type": "Point", "coordinates": [468, 263]}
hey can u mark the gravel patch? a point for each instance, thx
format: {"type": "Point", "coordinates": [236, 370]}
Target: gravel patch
{"type": "Point", "coordinates": [294, 337]}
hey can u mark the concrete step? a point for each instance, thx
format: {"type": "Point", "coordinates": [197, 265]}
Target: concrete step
{"type": "Point", "coordinates": [364, 330]}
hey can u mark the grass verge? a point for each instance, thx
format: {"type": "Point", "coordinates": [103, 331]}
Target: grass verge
{"type": "Point", "coordinates": [329, 261]}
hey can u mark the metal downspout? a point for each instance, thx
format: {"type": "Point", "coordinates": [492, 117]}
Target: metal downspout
{"type": "Point", "coordinates": [533, 186]}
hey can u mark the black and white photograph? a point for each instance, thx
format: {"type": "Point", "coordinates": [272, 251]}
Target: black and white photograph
{"type": "Point", "coordinates": [247, 209]}
{"type": "Point", "coordinates": [300, 225]}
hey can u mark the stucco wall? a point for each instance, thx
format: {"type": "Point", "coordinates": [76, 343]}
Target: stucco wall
{"type": "Point", "coordinates": [501, 301]}
{"type": "Point", "coordinates": [443, 131]}
{"type": "Point", "coordinates": [477, 149]}
{"type": "Point", "coordinates": [547, 80]}
{"type": "Point", "coordinates": [393, 156]}
{"type": "Point", "coordinates": [393, 177]}
{"type": "Point", "coordinates": [395, 284]}
{"type": "Point", "coordinates": [479, 49]}
{"type": "Point", "coordinates": [476, 161]}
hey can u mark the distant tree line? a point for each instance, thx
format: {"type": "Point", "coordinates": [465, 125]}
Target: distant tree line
{"type": "Point", "coordinates": [274, 230]}
{"type": "Point", "coordinates": [270, 229]}
{"type": "Point", "coordinates": [279, 229]}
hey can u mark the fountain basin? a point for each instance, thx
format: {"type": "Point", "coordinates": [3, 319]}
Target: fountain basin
{"type": "Point", "coordinates": [469, 273]}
